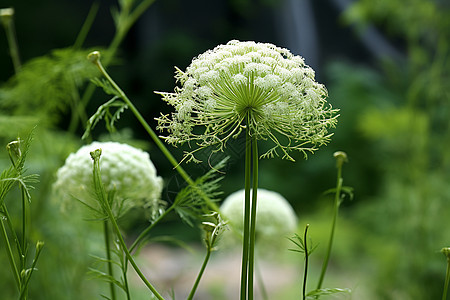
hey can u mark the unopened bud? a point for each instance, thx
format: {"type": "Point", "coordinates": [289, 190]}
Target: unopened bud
{"type": "Point", "coordinates": [341, 158]}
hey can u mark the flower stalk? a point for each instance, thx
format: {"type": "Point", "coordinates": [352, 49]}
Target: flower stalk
{"type": "Point", "coordinates": [103, 198]}
{"type": "Point", "coordinates": [446, 252]}
{"type": "Point", "coordinates": [340, 157]}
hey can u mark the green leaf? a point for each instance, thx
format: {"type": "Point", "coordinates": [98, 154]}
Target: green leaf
{"type": "Point", "coordinates": [326, 291]}
{"type": "Point", "coordinates": [103, 112]}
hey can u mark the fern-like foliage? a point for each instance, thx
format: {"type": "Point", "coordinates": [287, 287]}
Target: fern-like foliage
{"type": "Point", "coordinates": [47, 85]}
{"type": "Point", "coordinates": [109, 111]}
{"type": "Point", "coordinates": [189, 202]}
{"type": "Point", "coordinates": [15, 173]}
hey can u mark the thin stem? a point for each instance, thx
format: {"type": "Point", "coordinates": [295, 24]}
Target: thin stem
{"type": "Point", "coordinates": [447, 280]}
{"type": "Point", "coordinates": [154, 136]}
{"type": "Point", "coordinates": [200, 274]}
{"type": "Point", "coordinates": [112, 49]}
{"type": "Point", "coordinates": [261, 285]}
{"type": "Point", "coordinates": [150, 227]}
{"type": "Point", "coordinates": [108, 258]}
{"type": "Point", "coordinates": [86, 26]}
{"type": "Point", "coordinates": [24, 229]}
{"type": "Point", "coordinates": [8, 24]}
{"type": "Point", "coordinates": [10, 255]}
{"type": "Point", "coordinates": [305, 273]}
{"type": "Point", "coordinates": [24, 291]}
{"type": "Point", "coordinates": [253, 217]}
{"type": "Point", "coordinates": [246, 237]}
{"type": "Point", "coordinates": [333, 225]}
{"type": "Point", "coordinates": [101, 193]}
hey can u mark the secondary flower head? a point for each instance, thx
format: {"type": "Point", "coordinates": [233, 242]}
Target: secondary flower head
{"type": "Point", "coordinates": [126, 171]}
{"type": "Point", "coordinates": [250, 85]}
{"type": "Point", "coordinates": [275, 217]}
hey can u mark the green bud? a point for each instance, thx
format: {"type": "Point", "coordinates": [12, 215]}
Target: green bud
{"type": "Point", "coordinates": [94, 57]}
{"type": "Point", "coordinates": [6, 15]}
{"type": "Point", "coordinates": [341, 158]}
{"type": "Point", "coordinates": [446, 252]}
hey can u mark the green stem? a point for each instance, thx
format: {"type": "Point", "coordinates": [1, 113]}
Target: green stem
{"type": "Point", "coordinates": [333, 225]}
{"type": "Point", "coordinates": [24, 291]}
{"type": "Point", "coordinates": [246, 237]}
{"type": "Point", "coordinates": [305, 273]}
{"type": "Point", "coordinates": [108, 258]}
{"type": "Point", "coordinates": [112, 49]}
{"type": "Point", "coordinates": [10, 255]}
{"type": "Point", "coordinates": [101, 193]}
{"type": "Point", "coordinates": [447, 280]}
{"type": "Point", "coordinates": [86, 25]}
{"type": "Point", "coordinates": [12, 42]}
{"type": "Point", "coordinates": [253, 217]}
{"type": "Point", "coordinates": [200, 274]}
{"type": "Point", "coordinates": [150, 227]}
{"type": "Point", "coordinates": [24, 229]}
{"type": "Point", "coordinates": [153, 135]}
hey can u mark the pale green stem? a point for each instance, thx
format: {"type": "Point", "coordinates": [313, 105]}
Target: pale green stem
{"type": "Point", "coordinates": [246, 233]}
{"type": "Point", "coordinates": [101, 193]}
{"type": "Point", "coordinates": [447, 280]}
{"type": "Point", "coordinates": [108, 258]}
{"type": "Point", "coordinates": [333, 225]}
{"type": "Point", "coordinates": [200, 274]}
{"type": "Point", "coordinates": [153, 135]}
{"type": "Point", "coordinates": [10, 255]}
{"type": "Point", "coordinates": [251, 255]}
{"type": "Point", "coordinates": [12, 42]}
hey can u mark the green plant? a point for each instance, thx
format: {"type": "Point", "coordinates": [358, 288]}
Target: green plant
{"type": "Point", "coordinates": [19, 260]}
{"type": "Point", "coordinates": [256, 88]}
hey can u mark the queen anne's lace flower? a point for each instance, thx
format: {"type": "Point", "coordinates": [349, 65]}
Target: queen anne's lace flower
{"type": "Point", "coordinates": [242, 84]}
{"type": "Point", "coordinates": [275, 218]}
{"type": "Point", "coordinates": [125, 170]}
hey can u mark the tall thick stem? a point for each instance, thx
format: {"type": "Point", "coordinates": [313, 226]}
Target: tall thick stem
{"type": "Point", "coordinates": [246, 233]}
{"type": "Point", "coordinates": [254, 203]}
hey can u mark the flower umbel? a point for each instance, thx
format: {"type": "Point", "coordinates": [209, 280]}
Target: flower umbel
{"type": "Point", "coordinates": [241, 84]}
{"type": "Point", "coordinates": [126, 171]}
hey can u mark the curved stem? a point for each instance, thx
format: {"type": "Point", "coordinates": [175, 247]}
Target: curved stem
{"type": "Point", "coordinates": [150, 227]}
{"type": "Point", "coordinates": [153, 135]}
{"type": "Point", "coordinates": [101, 194]}
{"type": "Point", "coordinates": [246, 237]}
{"type": "Point", "coordinates": [253, 217]}
{"type": "Point", "coordinates": [333, 225]}
{"type": "Point", "coordinates": [200, 274]}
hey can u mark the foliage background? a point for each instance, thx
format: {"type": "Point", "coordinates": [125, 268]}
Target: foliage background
{"type": "Point", "coordinates": [386, 66]}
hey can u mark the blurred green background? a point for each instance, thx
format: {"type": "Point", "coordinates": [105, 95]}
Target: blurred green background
{"type": "Point", "coordinates": [385, 64]}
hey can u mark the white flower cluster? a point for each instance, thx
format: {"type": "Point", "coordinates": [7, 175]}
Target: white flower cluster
{"type": "Point", "coordinates": [258, 85]}
{"type": "Point", "coordinates": [125, 170]}
{"type": "Point", "coordinates": [275, 217]}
